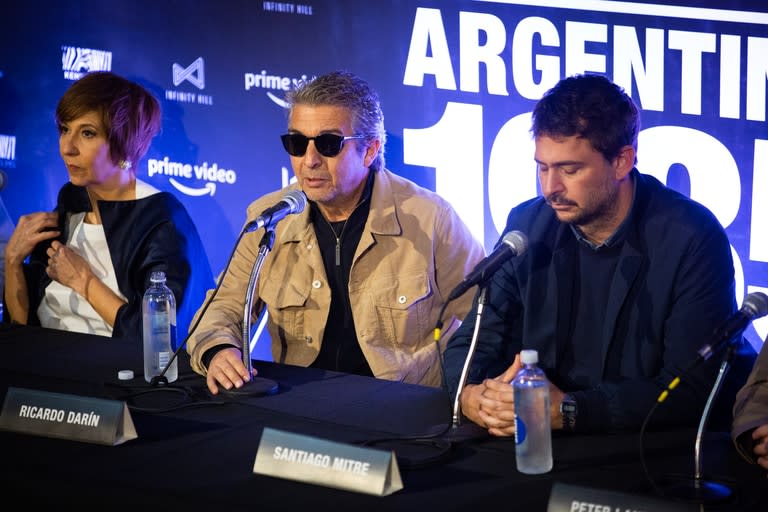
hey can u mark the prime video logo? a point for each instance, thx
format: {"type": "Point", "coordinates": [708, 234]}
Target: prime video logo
{"type": "Point", "coordinates": [278, 83]}
{"type": "Point", "coordinates": [212, 174]}
{"type": "Point", "coordinates": [76, 62]}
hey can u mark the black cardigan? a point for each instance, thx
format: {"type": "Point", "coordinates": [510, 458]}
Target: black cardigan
{"type": "Point", "coordinates": [143, 235]}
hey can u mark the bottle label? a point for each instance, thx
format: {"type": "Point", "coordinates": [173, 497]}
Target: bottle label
{"type": "Point", "coordinates": [520, 431]}
{"type": "Point", "coordinates": [160, 331]}
{"type": "Point", "coordinates": [163, 358]}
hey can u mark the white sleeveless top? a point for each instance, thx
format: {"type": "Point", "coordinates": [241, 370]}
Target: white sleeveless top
{"type": "Point", "coordinates": [62, 308]}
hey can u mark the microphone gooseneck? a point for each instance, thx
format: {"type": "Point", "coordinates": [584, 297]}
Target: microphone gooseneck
{"type": "Point", "coordinates": [433, 446]}
{"type": "Point", "coordinates": [755, 305]}
{"type": "Point", "coordinates": [514, 243]}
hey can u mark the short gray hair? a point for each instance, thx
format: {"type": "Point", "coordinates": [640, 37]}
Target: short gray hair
{"type": "Point", "coordinates": [344, 89]}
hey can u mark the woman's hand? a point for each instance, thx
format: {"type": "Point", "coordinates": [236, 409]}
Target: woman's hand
{"type": "Point", "coordinates": [69, 268]}
{"type": "Point", "coordinates": [31, 229]}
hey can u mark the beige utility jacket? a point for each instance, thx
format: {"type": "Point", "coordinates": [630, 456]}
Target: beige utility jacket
{"type": "Point", "coordinates": [413, 251]}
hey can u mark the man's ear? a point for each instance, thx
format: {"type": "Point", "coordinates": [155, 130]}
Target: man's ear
{"type": "Point", "coordinates": [371, 152]}
{"type": "Point", "coordinates": [624, 161]}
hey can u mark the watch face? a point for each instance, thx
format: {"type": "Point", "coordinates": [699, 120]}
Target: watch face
{"type": "Point", "coordinates": [568, 404]}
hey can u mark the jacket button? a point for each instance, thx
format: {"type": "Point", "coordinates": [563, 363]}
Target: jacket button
{"type": "Point", "coordinates": [308, 340]}
{"type": "Point", "coordinates": [316, 283]}
{"type": "Point", "coordinates": [401, 299]}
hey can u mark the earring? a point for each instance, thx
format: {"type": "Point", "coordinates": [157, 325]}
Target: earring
{"type": "Point", "coordinates": [125, 164]}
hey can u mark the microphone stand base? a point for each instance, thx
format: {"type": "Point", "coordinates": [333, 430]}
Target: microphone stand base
{"type": "Point", "coordinates": [697, 490]}
{"type": "Point", "coordinates": [464, 432]}
{"type": "Point", "coordinates": [257, 386]}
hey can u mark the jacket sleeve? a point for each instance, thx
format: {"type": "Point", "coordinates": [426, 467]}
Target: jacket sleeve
{"type": "Point", "coordinates": [751, 406]}
{"type": "Point", "coordinates": [456, 254]}
{"type": "Point", "coordinates": [167, 249]}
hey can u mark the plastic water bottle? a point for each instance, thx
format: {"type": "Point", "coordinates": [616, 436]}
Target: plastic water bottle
{"type": "Point", "coordinates": [158, 310]}
{"type": "Point", "coordinates": [533, 434]}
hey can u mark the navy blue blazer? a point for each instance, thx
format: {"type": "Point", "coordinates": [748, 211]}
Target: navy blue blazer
{"type": "Point", "coordinates": [143, 235]}
{"type": "Point", "coordinates": [672, 287]}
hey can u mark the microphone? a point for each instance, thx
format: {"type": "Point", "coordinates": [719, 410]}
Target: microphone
{"type": "Point", "coordinates": [512, 244]}
{"type": "Point", "coordinates": [755, 305]}
{"type": "Point", "coordinates": [293, 201]}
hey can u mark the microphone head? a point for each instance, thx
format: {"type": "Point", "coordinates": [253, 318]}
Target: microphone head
{"type": "Point", "coordinates": [517, 241]}
{"type": "Point", "coordinates": [296, 199]}
{"type": "Point", "coordinates": [755, 305]}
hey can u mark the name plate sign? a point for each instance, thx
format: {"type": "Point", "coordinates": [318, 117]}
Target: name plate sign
{"type": "Point", "coordinates": [574, 498]}
{"type": "Point", "coordinates": [78, 418]}
{"type": "Point", "coordinates": [331, 464]}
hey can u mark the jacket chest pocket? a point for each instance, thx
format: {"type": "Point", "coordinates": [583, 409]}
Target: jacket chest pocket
{"type": "Point", "coordinates": [403, 308]}
{"type": "Point", "coordinates": [286, 303]}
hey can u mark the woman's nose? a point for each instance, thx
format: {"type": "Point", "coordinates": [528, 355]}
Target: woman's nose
{"type": "Point", "coordinates": [66, 144]}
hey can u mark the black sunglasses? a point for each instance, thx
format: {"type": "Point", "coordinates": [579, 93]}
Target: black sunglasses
{"type": "Point", "coordinates": [327, 144]}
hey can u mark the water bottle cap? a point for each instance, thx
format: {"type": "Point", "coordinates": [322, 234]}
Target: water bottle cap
{"type": "Point", "coordinates": [157, 276]}
{"type": "Point", "coordinates": [125, 374]}
{"type": "Point", "coordinates": [529, 356]}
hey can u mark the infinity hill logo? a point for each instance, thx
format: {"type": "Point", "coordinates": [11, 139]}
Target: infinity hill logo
{"type": "Point", "coordinates": [76, 62]}
{"type": "Point", "coordinates": [194, 73]}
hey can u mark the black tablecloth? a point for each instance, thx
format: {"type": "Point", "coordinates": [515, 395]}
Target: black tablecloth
{"type": "Point", "coordinates": [195, 451]}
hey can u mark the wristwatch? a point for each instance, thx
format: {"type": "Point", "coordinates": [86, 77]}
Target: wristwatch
{"type": "Point", "coordinates": [569, 410]}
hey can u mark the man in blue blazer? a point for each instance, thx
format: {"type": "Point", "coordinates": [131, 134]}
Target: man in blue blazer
{"type": "Point", "coordinates": [623, 281]}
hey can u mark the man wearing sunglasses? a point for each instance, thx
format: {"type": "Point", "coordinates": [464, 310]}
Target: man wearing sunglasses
{"type": "Point", "coordinates": [356, 282]}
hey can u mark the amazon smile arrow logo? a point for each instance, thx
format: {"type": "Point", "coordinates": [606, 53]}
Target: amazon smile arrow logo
{"type": "Point", "coordinates": [209, 188]}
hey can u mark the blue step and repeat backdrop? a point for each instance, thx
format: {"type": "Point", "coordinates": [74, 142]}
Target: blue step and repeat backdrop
{"type": "Point", "coordinates": [458, 80]}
